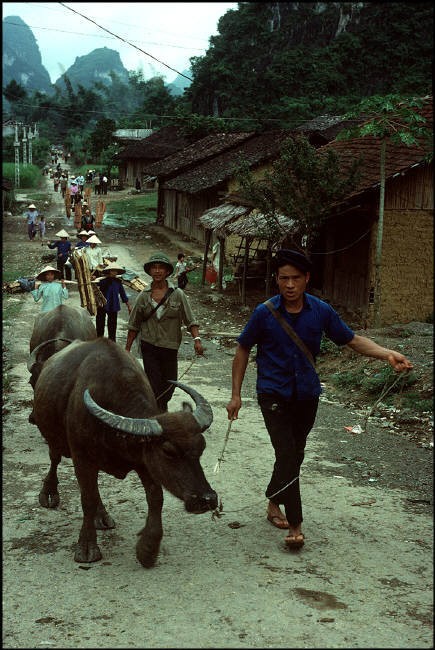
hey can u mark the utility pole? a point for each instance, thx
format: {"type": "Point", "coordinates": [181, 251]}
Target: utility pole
{"type": "Point", "coordinates": [24, 139]}
{"type": "Point", "coordinates": [30, 136]}
{"type": "Point", "coordinates": [17, 157]}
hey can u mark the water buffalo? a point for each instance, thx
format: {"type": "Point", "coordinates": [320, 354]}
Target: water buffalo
{"type": "Point", "coordinates": [54, 330]}
{"type": "Point", "coordinates": [94, 403]}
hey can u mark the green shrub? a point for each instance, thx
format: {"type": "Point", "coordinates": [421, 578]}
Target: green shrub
{"type": "Point", "coordinates": [385, 378]}
{"type": "Point", "coordinates": [30, 175]}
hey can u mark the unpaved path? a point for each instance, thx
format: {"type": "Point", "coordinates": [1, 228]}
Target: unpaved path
{"type": "Point", "coordinates": [363, 580]}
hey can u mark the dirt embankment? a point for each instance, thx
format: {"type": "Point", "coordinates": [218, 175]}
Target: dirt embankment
{"type": "Point", "coordinates": [363, 579]}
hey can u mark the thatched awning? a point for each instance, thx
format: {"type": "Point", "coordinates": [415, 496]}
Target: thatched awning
{"type": "Point", "coordinates": [230, 219]}
{"type": "Point", "coordinates": [217, 218]}
{"type": "Point", "coordinates": [256, 224]}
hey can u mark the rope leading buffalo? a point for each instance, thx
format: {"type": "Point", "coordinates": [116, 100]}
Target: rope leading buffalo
{"type": "Point", "coordinates": [94, 404]}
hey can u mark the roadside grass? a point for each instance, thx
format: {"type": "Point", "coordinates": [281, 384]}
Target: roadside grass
{"type": "Point", "coordinates": [134, 209]}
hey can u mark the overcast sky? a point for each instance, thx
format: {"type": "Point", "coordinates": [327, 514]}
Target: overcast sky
{"type": "Point", "coordinates": [171, 32]}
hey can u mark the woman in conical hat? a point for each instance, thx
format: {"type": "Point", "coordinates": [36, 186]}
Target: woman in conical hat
{"type": "Point", "coordinates": [112, 289]}
{"type": "Point", "coordinates": [52, 293]}
{"type": "Point", "coordinates": [94, 253]}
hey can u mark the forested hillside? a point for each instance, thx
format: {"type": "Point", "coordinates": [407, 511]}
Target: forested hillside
{"type": "Point", "coordinates": [294, 60]}
{"type": "Point", "coordinates": [272, 65]}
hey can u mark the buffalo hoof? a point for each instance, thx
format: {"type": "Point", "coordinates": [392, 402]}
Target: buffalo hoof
{"type": "Point", "coordinates": [87, 553]}
{"type": "Point", "coordinates": [103, 521]}
{"type": "Point", "coordinates": [49, 500]}
{"type": "Point", "coordinates": [146, 554]}
{"type": "Point", "coordinates": [32, 418]}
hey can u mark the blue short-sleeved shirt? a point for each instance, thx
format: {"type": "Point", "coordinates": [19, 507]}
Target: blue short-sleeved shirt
{"type": "Point", "coordinates": [282, 368]}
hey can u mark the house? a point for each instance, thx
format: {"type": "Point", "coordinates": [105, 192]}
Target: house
{"type": "Point", "coordinates": [186, 196]}
{"type": "Point", "coordinates": [185, 159]}
{"type": "Point", "coordinates": [345, 254]}
{"type": "Point", "coordinates": [132, 159]}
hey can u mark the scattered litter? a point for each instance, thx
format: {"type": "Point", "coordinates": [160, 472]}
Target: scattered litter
{"type": "Point", "coordinates": [357, 428]}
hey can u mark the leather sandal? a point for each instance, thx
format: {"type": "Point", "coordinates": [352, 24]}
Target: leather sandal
{"type": "Point", "coordinates": [294, 541]}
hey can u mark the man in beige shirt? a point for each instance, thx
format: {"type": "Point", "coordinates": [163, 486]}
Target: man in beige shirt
{"type": "Point", "coordinates": [157, 317]}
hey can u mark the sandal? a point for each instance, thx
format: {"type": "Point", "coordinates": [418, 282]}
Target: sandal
{"type": "Point", "coordinates": [279, 521]}
{"type": "Point", "coordinates": [295, 541]}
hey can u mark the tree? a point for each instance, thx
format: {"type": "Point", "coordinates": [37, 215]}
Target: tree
{"type": "Point", "coordinates": [102, 136]}
{"type": "Point", "coordinates": [392, 119]}
{"type": "Point", "coordinates": [302, 185]}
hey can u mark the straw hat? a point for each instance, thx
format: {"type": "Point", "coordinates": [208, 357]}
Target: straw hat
{"type": "Point", "coordinates": [45, 270]}
{"type": "Point", "coordinates": [113, 267]}
{"type": "Point", "coordinates": [83, 232]}
{"type": "Point", "coordinates": [91, 232]}
{"type": "Point", "coordinates": [32, 207]}
{"type": "Point", "coordinates": [93, 239]}
{"type": "Point", "coordinates": [158, 258]}
{"type": "Point", "coordinates": [62, 233]}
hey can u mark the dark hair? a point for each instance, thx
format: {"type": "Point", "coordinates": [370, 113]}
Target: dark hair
{"type": "Point", "coordinates": [292, 257]}
{"type": "Point", "coordinates": [180, 255]}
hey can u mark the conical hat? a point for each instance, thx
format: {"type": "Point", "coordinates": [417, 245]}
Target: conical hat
{"type": "Point", "coordinates": [83, 232]}
{"type": "Point", "coordinates": [113, 267]}
{"type": "Point", "coordinates": [48, 268]}
{"type": "Point", "coordinates": [91, 232]}
{"type": "Point", "coordinates": [62, 233]}
{"type": "Point", "coordinates": [93, 239]}
{"type": "Point", "coordinates": [32, 207]}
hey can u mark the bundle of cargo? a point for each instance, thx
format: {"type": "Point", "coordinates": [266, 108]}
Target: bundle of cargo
{"type": "Point", "coordinates": [87, 196]}
{"type": "Point", "coordinates": [77, 216]}
{"type": "Point", "coordinates": [99, 213]}
{"type": "Point", "coordinates": [132, 280]}
{"type": "Point", "coordinates": [68, 203]}
{"type": "Point", "coordinates": [90, 295]}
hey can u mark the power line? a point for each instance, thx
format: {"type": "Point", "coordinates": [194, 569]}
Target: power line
{"type": "Point", "coordinates": [109, 38]}
{"type": "Point", "coordinates": [125, 41]}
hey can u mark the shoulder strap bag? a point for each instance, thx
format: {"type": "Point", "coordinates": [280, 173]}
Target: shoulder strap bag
{"type": "Point", "coordinates": [162, 301]}
{"type": "Point", "coordinates": [290, 331]}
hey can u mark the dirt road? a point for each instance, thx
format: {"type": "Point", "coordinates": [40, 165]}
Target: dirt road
{"type": "Point", "coordinates": [363, 580]}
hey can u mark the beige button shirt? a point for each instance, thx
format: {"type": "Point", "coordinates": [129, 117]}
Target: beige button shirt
{"type": "Point", "coordinates": [163, 332]}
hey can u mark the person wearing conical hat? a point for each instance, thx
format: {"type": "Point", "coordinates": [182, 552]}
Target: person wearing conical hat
{"type": "Point", "coordinates": [94, 254]}
{"type": "Point", "coordinates": [52, 293]}
{"type": "Point", "coordinates": [112, 288]}
{"type": "Point", "coordinates": [63, 251]}
{"type": "Point", "coordinates": [32, 215]}
{"type": "Point", "coordinates": [83, 236]}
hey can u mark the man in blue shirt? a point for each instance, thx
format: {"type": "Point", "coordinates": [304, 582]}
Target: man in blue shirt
{"type": "Point", "coordinates": [63, 250]}
{"type": "Point", "coordinates": [288, 386]}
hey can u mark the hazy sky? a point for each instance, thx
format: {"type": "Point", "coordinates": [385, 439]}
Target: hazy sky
{"type": "Point", "coordinates": [172, 32]}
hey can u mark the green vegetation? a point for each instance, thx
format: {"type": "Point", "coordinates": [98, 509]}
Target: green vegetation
{"type": "Point", "coordinates": [139, 209]}
{"type": "Point", "coordinates": [30, 175]}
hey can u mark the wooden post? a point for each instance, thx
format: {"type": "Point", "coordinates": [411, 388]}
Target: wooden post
{"type": "Point", "coordinates": [221, 262]}
{"type": "Point", "coordinates": [245, 269]}
{"type": "Point", "coordinates": [206, 249]}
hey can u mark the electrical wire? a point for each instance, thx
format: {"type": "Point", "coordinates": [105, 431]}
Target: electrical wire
{"type": "Point", "coordinates": [125, 41]}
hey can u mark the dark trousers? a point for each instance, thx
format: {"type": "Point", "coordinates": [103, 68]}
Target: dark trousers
{"type": "Point", "coordinates": [288, 424]}
{"type": "Point", "coordinates": [65, 270]}
{"type": "Point", "coordinates": [100, 322]}
{"type": "Point", "coordinates": [160, 364]}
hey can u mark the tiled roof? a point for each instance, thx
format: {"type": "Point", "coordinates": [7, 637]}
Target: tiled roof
{"type": "Point", "coordinates": [399, 157]}
{"type": "Point", "coordinates": [255, 151]}
{"type": "Point", "coordinates": [201, 150]}
{"type": "Point", "coordinates": [160, 144]}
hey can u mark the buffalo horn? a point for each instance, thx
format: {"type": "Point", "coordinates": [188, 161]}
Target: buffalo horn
{"type": "Point", "coordinates": [32, 358]}
{"type": "Point", "coordinates": [203, 413]}
{"type": "Point", "coordinates": [136, 426]}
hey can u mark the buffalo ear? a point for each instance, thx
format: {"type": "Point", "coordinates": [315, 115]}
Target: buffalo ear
{"type": "Point", "coordinates": [187, 407]}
